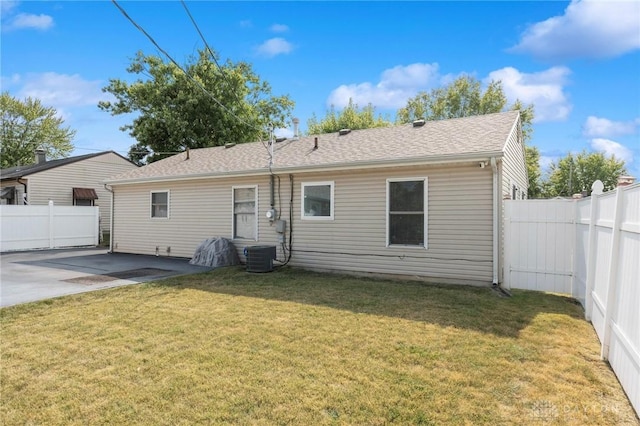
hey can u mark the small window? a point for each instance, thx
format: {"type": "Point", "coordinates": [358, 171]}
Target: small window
{"type": "Point", "coordinates": [407, 212]}
{"type": "Point", "coordinates": [317, 201]}
{"type": "Point", "coordinates": [160, 204]}
{"type": "Point", "coordinates": [245, 206]}
{"type": "Point", "coordinates": [84, 196]}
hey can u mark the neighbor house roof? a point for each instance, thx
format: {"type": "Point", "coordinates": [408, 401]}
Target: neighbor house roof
{"type": "Point", "coordinates": [443, 140]}
{"type": "Point", "coordinates": [22, 171]}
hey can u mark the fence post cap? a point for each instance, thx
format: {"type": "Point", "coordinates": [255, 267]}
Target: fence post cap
{"type": "Point", "coordinates": [597, 187]}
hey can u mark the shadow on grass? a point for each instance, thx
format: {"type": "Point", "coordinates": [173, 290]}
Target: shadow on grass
{"type": "Point", "coordinates": [465, 307]}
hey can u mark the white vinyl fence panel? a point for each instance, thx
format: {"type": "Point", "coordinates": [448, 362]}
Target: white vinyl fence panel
{"type": "Point", "coordinates": [38, 227]}
{"type": "Point", "coordinates": [538, 251]}
{"type": "Point", "coordinates": [590, 249]}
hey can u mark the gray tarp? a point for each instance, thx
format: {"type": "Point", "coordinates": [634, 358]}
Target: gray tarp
{"type": "Point", "coordinates": [216, 252]}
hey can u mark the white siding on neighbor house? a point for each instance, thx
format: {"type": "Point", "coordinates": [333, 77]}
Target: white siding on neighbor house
{"type": "Point", "coordinates": [459, 232]}
{"type": "Point", "coordinates": [56, 184]}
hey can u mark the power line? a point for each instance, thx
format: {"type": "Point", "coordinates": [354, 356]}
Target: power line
{"type": "Point", "coordinates": [215, 61]}
{"type": "Point", "coordinates": [151, 39]}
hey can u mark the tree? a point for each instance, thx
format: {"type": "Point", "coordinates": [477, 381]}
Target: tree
{"type": "Point", "coordinates": [464, 97]}
{"type": "Point", "coordinates": [576, 173]}
{"type": "Point", "coordinates": [175, 112]}
{"type": "Point", "coordinates": [27, 126]}
{"type": "Point", "coordinates": [351, 117]}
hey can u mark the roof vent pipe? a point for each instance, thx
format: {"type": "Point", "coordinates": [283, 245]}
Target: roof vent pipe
{"type": "Point", "coordinates": [343, 132]}
{"type": "Point", "coordinates": [315, 143]}
{"type": "Point", "coordinates": [296, 121]}
{"type": "Point", "coordinates": [418, 123]}
{"type": "Point", "coordinates": [41, 156]}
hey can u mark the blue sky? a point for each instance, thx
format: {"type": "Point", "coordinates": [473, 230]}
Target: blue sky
{"type": "Point", "coordinates": [577, 62]}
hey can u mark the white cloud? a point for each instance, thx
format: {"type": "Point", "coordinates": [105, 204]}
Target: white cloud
{"type": "Point", "coordinates": [545, 90]}
{"type": "Point", "coordinates": [275, 46]}
{"type": "Point", "coordinates": [610, 147]}
{"type": "Point", "coordinates": [588, 29]}
{"type": "Point", "coordinates": [6, 6]}
{"type": "Point", "coordinates": [396, 85]}
{"type": "Point", "coordinates": [602, 127]}
{"type": "Point", "coordinates": [284, 132]}
{"type": "Point", "coordinates": [279, 28]}
{"type": "Point", "coordinates": [246, 24]}
{"type": "Point", "coordinates": [60, 90]}
{"type": "Point", "coordinates": [27, 20]}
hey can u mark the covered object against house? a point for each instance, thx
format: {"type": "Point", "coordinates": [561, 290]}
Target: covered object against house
{"type": "Point", "coordinates": [422, 199]}
{"type": "Point", "coordinates": [71, 181]}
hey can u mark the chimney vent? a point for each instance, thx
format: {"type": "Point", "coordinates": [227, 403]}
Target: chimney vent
{"type": "Point", "coordinates": [626, 180]}
{"type": "Point", "coordinates": [418, 123]}
{"type": "Point", "coordinates": [343, 132]}
{"type": "Point", "coordinates": [296, 121]}
{"type": "Point", "coordinates": [41, 156]}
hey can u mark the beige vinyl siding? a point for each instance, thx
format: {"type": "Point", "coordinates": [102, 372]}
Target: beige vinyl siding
{"type": "Point", "coordinates": [458, 226]}
{"type": "Point", "coordinates": [514, 168]}
{"type": "Point", "coordinates": [56, 184]}
{"type": "Point", "coordinates": [200, 209]}
{"type": "Point", "coordinates": [459, 233]}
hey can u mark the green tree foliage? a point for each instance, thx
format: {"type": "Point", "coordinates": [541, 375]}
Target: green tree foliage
{"type": "Point", "coordinates": [464, 97]}
{"type": "Point", "coordinates": [577, 172]}
{"type": "Point", "coordinates": [174, 113]}
{"type": "Point", "coordinates": [28, 125]}
{"type": "Point", "coordinates": [351, 117]}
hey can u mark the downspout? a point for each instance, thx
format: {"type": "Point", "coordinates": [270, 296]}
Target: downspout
{"type": "Point", "coordinates": [496, 211]}
{"type": "Point", "coordinates": [110, 219]}
{"type": "Point", "coordinates": [24, 197]}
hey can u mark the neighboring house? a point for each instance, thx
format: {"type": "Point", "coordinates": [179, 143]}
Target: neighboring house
{"type": "Point", "coordinates": [421, 200]}
{"type": "Point", "coordinates": [66, 181]}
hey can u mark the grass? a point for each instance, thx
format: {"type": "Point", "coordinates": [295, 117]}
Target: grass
{"type": "Point", "coordinates": [293, 347]}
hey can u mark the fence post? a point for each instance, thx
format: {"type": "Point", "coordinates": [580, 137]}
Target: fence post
{"type": "Point", "coordinates": [596, 190]}
{"type": "Point", "coordinates": [96, 226]}
{"type": "Point", "coordinates": [612, 278]}
{"type": "Point", "coordinates": [51, 224]}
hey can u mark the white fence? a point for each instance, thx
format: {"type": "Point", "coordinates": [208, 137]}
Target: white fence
{"type": "Point", "coordinates": [38, 227]}
{"type": "Point", "coordinates": [588, 248]}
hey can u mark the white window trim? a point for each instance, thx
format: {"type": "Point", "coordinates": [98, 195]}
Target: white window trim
{"type": "Point", "coordinates": [303, 185]}
{"type": "Point", "coordinates": [168, 204]}
{"type": "Point", "coordinates": [233, 205]}
{"type": "Point", "coordinates": [425, 208]}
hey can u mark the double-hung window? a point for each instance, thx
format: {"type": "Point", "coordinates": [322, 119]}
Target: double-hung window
{"type": "Point", "coordinates": [407, 212]}
{"type": "Point", "coordinates": [317, 201]}
{"type": "Point", "coordinates": [245, 207]}
{"type": "Point", "coordinates": [160, 204]}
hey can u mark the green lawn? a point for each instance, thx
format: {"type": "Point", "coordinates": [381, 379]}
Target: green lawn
{"type": "Point", "coordinates": [294, 347]}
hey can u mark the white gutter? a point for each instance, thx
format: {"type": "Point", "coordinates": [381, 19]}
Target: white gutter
{"type": "Point", "coordinates": [414, 161]}
{"type": "Point", "coordinates": [496, 230]}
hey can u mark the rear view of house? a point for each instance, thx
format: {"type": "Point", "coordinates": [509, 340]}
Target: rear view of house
{"type": "Point", "coordinates": [421, 200]}
{"type": "Point", "coordinates": [72, 181]}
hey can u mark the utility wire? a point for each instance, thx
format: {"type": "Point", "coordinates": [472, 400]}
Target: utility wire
{"type": "Point", "coordinates": [209, 50]}
{"type": "Point", "coordinates": [215, 61]}
{"type": "Point", "coordinates": [151, 39]}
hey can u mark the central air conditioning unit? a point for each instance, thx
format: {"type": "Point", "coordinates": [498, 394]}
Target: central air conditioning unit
{"type": "Point", "coordinates": [260, 258]}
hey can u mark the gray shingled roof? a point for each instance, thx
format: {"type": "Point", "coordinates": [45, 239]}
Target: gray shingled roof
{"type": "Point", "coordinates": [21, 171]}
{"type": "Point", "coordinates": [444, 140]}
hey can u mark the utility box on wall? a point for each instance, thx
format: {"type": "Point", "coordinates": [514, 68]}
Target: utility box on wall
{"type": "Point", "coordinates": [260, 258]}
